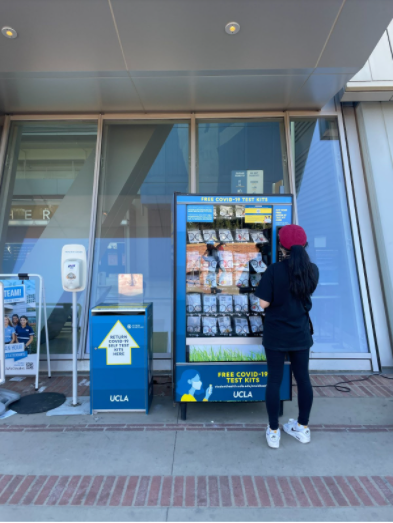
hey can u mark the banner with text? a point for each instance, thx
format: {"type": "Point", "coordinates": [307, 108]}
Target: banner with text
{"type": "Point", "coordinates": [20, 329]}
{"type": "Point", "coordinates": [226, 382]}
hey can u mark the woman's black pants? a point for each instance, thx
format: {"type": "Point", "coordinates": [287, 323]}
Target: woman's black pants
{"type": "Point", "coordinates": [275, 367]}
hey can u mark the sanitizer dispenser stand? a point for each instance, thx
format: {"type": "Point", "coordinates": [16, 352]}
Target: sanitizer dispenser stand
{"type": "Point", "coordinates": [73, 275]}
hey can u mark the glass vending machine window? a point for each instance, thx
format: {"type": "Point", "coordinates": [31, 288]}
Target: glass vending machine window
{"type": "Point", "coordinates": [225, 261]}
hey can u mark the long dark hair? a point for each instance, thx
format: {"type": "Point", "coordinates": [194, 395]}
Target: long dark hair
{"type": "Point", "coordinates": [302, 278]}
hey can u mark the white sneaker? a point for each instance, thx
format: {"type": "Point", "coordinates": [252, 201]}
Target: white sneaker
{"type": "Point", "coordinates": [273, 437]}
{"type": "Point", "coordinates": [300, 432]}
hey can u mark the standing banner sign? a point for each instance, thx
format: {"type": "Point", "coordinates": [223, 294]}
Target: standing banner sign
{"type": "Point", "coordinates": [22, 324]}
{"type": "Point", "coordinates": [20, 302]}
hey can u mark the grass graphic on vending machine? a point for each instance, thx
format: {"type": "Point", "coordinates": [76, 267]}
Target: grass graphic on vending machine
{"type": "Point", "coordinates": [219, 354]}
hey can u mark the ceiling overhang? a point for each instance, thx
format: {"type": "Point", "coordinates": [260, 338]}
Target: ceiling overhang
{"type": "Point", "coordinates": [83, 56]}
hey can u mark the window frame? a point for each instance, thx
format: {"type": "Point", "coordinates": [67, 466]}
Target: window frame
{"type": "Point", "coordinates": [321, 360]}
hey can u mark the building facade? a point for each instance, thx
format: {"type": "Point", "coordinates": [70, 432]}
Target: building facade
{"type": "Point", "coordinates": [367, 109]}
{"type": "Point", "coordinates": [92, 152]}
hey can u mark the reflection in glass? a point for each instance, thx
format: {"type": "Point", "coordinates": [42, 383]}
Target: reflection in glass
{"type": "Point", "coordinates": [143, 164]}
{"type": "Point", "coordinates": [323, 211]}
{"type": "Point", "coordinates": [195, 237]}
{"type": "Point", "coordinates": [46, 198]}
{"type": "Point", "coordinates": [258, 265]}
{"type": "Point", "coordinates": [209, 236]}
{"type": "Point", "coordinates": [209, 308]}
{"type": "Point", "coordinates": [226, 308]}
{"type": "Point", "coordinates": [194, 308]}
{"type": "Point", "coordinates": [256, 146]}
{"type": "Point", "coordinates": [241, 308]}
{"type": "Point", "coordinates": [208, 263]}
{"type": "Point", "coordinates": [226, 236]}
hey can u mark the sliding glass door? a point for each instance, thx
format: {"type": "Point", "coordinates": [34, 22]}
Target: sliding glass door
{"type": "Point", "coordinates": [143, 163]}
{"type": "Point", "coordinates": [45, 203]}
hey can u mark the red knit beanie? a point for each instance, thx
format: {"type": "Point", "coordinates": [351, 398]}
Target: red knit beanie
{"type": "Point", "coordinates": [292, 235]}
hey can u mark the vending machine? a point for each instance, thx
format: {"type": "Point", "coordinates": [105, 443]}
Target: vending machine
{"type": "Point", "coordinates": [222, 247]}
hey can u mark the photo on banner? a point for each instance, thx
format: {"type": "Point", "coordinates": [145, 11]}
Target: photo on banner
{"type": "Point", "coordinates": [20, 327]}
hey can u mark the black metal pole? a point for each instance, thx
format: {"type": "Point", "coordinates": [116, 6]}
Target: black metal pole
{"type": "Point", "coordinates": [183, 411]}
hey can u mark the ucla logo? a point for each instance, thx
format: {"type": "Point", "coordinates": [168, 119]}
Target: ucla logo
{"type": "Point", "coordinates": [118, 398]}
{"type": "Point", "coordinates": [242, 394]}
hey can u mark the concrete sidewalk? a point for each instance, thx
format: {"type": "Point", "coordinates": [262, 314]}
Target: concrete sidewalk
{"type": "Point", "coordinates": [215, 466]}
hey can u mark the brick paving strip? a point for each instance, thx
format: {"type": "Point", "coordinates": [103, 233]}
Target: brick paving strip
{"type": "Point", "coordinates": [373, 387]}
{"type": "Point", "coordinates": [183, 427]}
{"type": "Point", "coordinates": [198, 491]}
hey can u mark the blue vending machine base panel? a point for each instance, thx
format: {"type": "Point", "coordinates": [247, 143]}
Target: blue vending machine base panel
{"type": "Point", "coordinates": [231, 382]}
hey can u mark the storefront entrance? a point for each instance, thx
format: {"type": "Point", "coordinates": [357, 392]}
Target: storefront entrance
{"type": "Point", "coordinates": [108, 183]}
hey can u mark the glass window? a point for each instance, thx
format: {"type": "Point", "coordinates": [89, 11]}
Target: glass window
{"type": "Point", "coordinates": [242, 156]}
{"type": "Point", "coordinates": [45, 203]}
{"type": "Point", "coordinates": [323, 211]}
{"type": "Point", "coordinates": [143, 164]}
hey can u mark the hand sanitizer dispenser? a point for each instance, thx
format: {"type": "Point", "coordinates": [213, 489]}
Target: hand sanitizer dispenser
{"type": "Point", "coordinates": [73, 268]}
{"type": "Point", "coordinates": [72, 274]}
{"type": "Point", "coordinates": [73, 278]}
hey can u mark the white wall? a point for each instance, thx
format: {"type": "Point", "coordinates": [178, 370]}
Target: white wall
{"type": "Point", "coordinates": [374, 82]}
{"type": "Point", "coordinates": [375, 125]}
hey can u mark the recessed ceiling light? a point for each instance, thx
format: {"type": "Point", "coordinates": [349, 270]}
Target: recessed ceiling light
{"type": "Point", "coordinates": [232, 28]}
{"type": "Point", "coordinates": [8, 32]}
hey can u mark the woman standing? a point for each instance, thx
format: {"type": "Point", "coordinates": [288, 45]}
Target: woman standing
{"type": "Point", "coordinates": [9, 332]}
{"type": "Point", "coordinates": [24, 333]}
{"type": "Point", "coordinates": [285, 293]}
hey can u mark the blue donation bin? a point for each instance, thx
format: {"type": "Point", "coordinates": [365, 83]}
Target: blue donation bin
{"type": "Point", "coordinates": [121, 377]}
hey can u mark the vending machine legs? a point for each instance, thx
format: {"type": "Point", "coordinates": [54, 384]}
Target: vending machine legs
{"type": "Point", "coordinates": [183, 410]}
